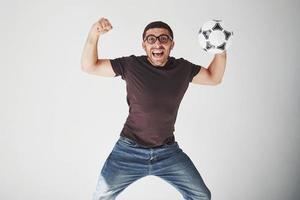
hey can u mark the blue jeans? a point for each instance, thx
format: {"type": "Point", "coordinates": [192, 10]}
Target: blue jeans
{"type": "Point", "coordinates": [129, 162]}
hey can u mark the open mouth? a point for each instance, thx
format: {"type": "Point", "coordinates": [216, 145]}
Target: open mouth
{"type": "Point", "coordinates": [158, 53]}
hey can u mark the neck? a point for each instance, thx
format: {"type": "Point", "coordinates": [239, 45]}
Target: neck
{"type": "Point", "coordinates": [160, 65]}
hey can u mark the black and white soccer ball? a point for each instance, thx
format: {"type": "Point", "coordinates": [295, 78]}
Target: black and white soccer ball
{"type": "Point", "coordinates": [214, 38]}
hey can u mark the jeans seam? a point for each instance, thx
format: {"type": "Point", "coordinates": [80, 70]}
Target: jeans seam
{"type": "Point", "coordinates": [150, 162]}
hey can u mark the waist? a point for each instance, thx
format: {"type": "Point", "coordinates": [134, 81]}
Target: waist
{"type": "Point", "coordinates": [147, 139]}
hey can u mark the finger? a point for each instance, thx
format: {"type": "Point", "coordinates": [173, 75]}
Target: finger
{"type": "Point", "coordinates": [107, 23]}
{"type": "Point", "coordinates": [101, 19]}
{"type": "Point", "coordinates": [106, 27]}
{"type": "Point", "coordinates": [101, 22]}
{"type": "Point", "coordinates": [105, 20]}
{"type": "Point", "coordinates": [104, 24]}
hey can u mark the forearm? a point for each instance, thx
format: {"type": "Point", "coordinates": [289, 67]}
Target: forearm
{"type": "Point", "coordinates": [90, 53]}
{"type": "Point", "coordinates": [217, 67]}
{"type": "Point", "coordinates": [89, 57]}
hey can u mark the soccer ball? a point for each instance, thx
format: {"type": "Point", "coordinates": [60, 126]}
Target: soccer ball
{"type": "Point", "coordinates": [213, 38]}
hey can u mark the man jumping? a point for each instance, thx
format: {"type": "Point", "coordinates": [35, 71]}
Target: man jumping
{"type": "Point", "coordinates": [155, 84]}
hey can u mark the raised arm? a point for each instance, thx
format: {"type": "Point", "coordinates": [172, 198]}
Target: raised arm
{"type": "Point", "coordinates": [90, 63]}
{"type": "Point", "coordinates": [214, 73]}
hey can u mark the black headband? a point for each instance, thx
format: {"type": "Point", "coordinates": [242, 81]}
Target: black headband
{"type": "Point", "coordinates": [158, 24]}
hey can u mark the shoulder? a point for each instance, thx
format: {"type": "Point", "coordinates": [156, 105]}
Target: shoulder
{"type": "Point", "coordinates": [183, 61]}
{"type": "Point", "coordinates": [125, 58]}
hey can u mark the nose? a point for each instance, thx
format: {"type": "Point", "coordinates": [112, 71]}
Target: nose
{"type": "Point", "coordinates": [157, 43]}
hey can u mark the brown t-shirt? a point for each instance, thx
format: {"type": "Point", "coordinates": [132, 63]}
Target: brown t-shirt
{"type": "Point", "coordinates": [153, 96]}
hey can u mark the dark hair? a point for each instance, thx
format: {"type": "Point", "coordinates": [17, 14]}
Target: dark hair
{"type": "Point", "coordinates": [158, 24]}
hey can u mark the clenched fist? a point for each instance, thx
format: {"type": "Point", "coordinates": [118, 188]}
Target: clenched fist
{"type": "Point", "coordinates": [100, 27]}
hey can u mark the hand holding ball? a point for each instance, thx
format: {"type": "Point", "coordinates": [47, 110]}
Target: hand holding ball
{"type": "Point", "coordinates": [214, 38]}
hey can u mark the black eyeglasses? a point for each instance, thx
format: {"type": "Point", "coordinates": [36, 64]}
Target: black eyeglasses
{"type": "Point", "coordinates": [164, 39]}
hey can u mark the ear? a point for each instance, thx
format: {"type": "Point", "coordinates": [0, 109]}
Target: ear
{"type": "Point", "coordinates": [143, 45]}
{"type": "Point", "coordinates": [172, 45]}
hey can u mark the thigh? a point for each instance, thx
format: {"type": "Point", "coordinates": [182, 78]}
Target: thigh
{"type": "Point", "coordinates": [120, 169]}
{"type": "Point", "coordinates": [180, 172]}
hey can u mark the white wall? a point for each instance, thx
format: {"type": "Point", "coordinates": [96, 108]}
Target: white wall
{"type": "Point", "coordinates": [58, 124]}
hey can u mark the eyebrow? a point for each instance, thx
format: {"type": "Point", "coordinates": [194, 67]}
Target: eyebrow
{"type": "Point", "coordinates": [158, 35]}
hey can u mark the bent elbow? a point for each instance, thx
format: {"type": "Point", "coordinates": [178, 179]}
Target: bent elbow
{"type": "Point", "coordinates": [217, 82]}
{"type": "Point", "coordinates": [82, 67]}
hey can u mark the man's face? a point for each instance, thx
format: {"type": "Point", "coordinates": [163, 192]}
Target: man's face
{"type": "Point", "coordinates": [158, 51]}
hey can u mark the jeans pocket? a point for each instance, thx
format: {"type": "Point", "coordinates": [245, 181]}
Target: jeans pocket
{"type": "Point", "coordinates": [127, 141]}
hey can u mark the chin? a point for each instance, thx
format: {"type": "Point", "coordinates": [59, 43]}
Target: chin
{"type": "Point", "coordinates": [158, 62]}
{"type": "Point", "coordinates": [161, 64]}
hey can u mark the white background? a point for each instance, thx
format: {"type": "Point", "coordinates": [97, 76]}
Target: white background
{"type": "Point", "coordinates": [58, 124]}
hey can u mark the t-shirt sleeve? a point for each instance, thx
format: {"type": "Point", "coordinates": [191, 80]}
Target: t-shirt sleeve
{"type": "Point", "coordinates": [193, 70]}
{"type": "Point", "coordinates": [119, 66]}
